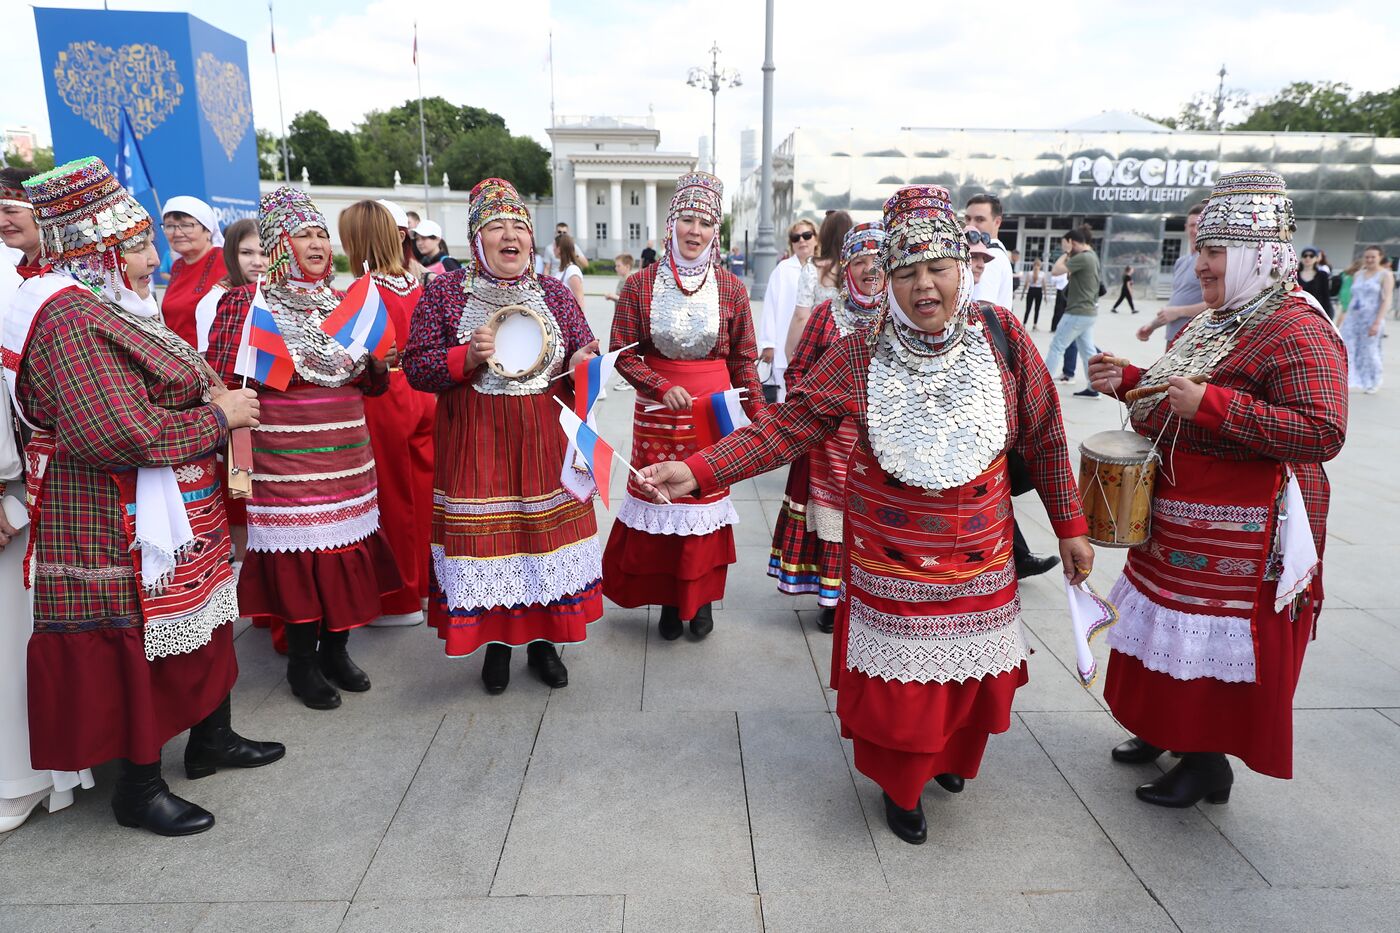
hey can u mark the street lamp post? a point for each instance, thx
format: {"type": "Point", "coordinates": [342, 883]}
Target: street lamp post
{"type": "Point", "coordinates": [765, 253]}
{"type": "Point", "coordinates": [712, 81]}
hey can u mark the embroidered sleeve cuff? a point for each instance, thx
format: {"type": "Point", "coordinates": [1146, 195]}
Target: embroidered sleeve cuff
{"type": "Point", "coordinates": [220, 417]}
{"type": "Point", "coordinates": [1132, 375]}
{"type": "Point", "coordinates": [1215, 405]}
{"type": "Point", "coordinates": [457, 363]}
{"type": "Point", "coordinates": [1070, 528]}
{"type": "Point", "coordinates": [703, 474]}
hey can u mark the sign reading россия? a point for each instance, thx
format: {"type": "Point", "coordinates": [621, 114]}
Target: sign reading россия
{"type": "Point", "coordinates": [1153, 179]}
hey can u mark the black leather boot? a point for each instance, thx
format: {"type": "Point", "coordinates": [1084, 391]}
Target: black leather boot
{"type": "Point", "coordinates": [336, 664]}
{"type": "Point", "coordinates": [1198, 776]}
{"type": "Point", "coordinates": [142, 800]}
{"type": "Point", "coordinates": [213, 745]}
{"type": "Point", "coordinates": [304, 668]}
{"type": "Point", "coordinates": [670, 627]}
{"type": "Point", "coordinates": [908, 825]}
{"type": "Point", "coordinates": [826, 622]}
{"type": "Point", "coordinates": [703, 623]}
{"type": "Point", "coordinates": [952, 783]}
{"type": "Point", "coordinates": [495, 670]}
{"type": "Point", "coordinates": [1136, 752]}
{"type": "Point", "coordinates": [543, 659]}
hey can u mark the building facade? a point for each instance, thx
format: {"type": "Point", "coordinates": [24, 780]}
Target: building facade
{"type": "Point", "coordinates": [612, 185]}
{"type": "Point", "coordinates": [1133, 187]}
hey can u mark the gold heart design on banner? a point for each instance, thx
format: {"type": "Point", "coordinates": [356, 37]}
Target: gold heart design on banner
{"type": "Point", "coordinates": [97, 81]}
{"type": "Point", "coordinates": [225, 100]}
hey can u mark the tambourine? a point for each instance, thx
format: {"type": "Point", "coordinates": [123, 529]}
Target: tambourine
{"type": "Point", "coordinates": [524, 345]}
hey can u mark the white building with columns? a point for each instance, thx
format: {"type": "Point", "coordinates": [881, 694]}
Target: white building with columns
{"type": "Point", "coordinates": [612, 185]}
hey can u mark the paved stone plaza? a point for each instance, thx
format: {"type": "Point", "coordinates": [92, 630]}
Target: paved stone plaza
{"type": "Point", "coordinates": [684, 786]}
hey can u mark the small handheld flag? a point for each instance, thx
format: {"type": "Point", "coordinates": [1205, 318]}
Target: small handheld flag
{"type": "Point", "coordinates": [361, 322]}
{"type": "Point", "coordinates": [262, 353]}
{"type": "Point", "coordinates": [596, 452]}
{"type": "Point", "coordinates": [590, 378]}
{"type": "Point", "coordinates": [718, 415]}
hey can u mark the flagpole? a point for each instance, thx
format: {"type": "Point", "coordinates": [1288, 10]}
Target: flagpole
{"type": "Point", "coordinates": [422, 126]}
{"type": "Point", "coordinates": [281, 114]}
{"type": "Point", "coordinates": [616, 456]}
{"type": "Point", "coordinates": [553, 151]}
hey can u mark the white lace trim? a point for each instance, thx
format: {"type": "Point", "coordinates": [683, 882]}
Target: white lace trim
{"type": "Point", "coordinates": [911, 591]}
{"type": "Point", "coordinates": [311, 477]}
{"type": "Point", "coordinates": [308, 428]}
{"type": "Point", "coordinates": [518, 579]}
{"type": "Point", "coordinates": [934, 649]}
{"type": "Point", "coordinates": [827, 522]}
{"type": "Point", "coordinates": [183, 634]}
{"type": "Point", "coordinates": [311, 534]}
{"type": "Point", "coordinates": [1180, 644]}
{"type": "Point", "coordinates": [661, 519]}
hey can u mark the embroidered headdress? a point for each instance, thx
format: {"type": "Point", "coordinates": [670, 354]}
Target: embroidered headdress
{"type": "Point", "coordinates": [920, 224]}
{"type": "Point", "coordinates": [13, 194]}
{"type": "Point", "coordinates": [86, 219]}
{"type": "Point", "coordinates": [697, 193]}
{"type": "Point", "coordinates": [284, 212]}
{"type": "Point", "coordinates": [494, 199]}
{"type": "Point", "coordinates": [856, 308]}
{"type": "Point", "coordinates": [863, 239]}
{"type": "Point", "coordinates": [1246, 208]}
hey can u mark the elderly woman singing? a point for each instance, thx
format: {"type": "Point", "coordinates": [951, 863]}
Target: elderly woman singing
{"type": "Point", "coordinates": [928, 650]}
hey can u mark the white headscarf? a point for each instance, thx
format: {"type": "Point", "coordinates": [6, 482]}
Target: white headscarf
{"type": "Point", "coordinates": [185, 204]}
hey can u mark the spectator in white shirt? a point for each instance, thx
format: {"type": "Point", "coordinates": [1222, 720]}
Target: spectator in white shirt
{"type": "Point", "coordinates": [779, 301]}
{"type": "Point", "coordinates": [984, 212]}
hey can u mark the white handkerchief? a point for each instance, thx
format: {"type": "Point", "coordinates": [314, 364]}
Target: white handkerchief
{"type": "Point", "coordinates": [1089, 614]}
{"type": "Point", "coordinates": [163, 532]}
{"type": "Point", "coordinates": [1299, 550]}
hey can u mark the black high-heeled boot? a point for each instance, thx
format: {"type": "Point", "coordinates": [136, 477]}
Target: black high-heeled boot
{"type": "Point", "coordinates": [142, 800]}
{"type": "Point", "coordinates": [703, 623]}
{"type": "Point", "coordinates": [1136, 752]}
{"type": "Point", "coordinates": [213, 745]}
{"type": "Point", "coordinates": [1198, 776]}
{"type": "Point", "coordinates": [826, 621]}
{"type": "Point", "coordinates": [543, 659]}
{"type": "Point", "coordinates": [495, 670]}
{"type": "Point", "coordinates": [304, 668]}
{"type": "Point", "coordinates": [908, 825]}
{"type": "Point", "coordinates": [670, 627]}
{"type": "Point", "coordinates": [336, 664]}
{"type": "Point", "coordinates": [952, 783]}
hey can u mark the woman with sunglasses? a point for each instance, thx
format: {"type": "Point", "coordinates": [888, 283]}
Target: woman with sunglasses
{"type": "Point", "coordinates": [1314, 279]}
{"type": "Point", "coordinates": [779, 304]}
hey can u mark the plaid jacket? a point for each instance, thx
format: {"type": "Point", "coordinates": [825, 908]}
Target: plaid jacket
{"type": "Point", "coordinates": [817, 337]}
{"type": "Point", "coordinates": [436, 360]}
{"type": "Point", "coordinates": [115, 399]}
{"type": "Point", "coordinates": [226, 333]}
{"type": "Point", "coordinates": [1281, 394]}
{"type": "Point", "coordinates": [836, 388]}
{"type": "Point", "coordinates": [735, 344]}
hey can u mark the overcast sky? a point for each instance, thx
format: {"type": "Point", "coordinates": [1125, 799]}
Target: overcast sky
{"type": "Point", "coordinates": [888, 65]}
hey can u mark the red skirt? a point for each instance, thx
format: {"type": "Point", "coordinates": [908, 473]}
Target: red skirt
{"type": "Point", "coordinates": [641, 568]}
{"type": "Point", "coordinates": [401, 432]}
{"type": "Point", "coordinates": [93, 696]}
{"type": "Point", "coordinates": [339, 587]}
{"type": "Point", "coordinates": [1252, 721]}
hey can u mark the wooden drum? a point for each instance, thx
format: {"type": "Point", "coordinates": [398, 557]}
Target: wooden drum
{"type": "Point", "coordinates": [524, 345]}
{"type": "Point", "coordinates": [1117, 471]}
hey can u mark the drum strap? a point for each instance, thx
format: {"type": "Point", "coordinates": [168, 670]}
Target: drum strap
{"type": "Point", "coordinates": [1018, 473]}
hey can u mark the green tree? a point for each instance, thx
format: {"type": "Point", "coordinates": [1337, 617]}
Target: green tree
{"type": "Point", "coordinates": [1307, 107]}
{"type": "Point", "coordinates": [42, 160]}
{"type": "Point", "coordinates": [329, 156]}
{"type": "Point", "coordinates": [269, 156]}
{"type": "Point", "coordinates": [489, 151]}
{"type": "Point", "coordinates": [389, 140]}
{"type": "Point", "coordinates": [1380, 112]}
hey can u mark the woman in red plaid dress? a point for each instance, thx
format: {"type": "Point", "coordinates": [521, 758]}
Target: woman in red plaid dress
{"type": "Point", "coordinates": [806, 554]}
{"type": "Point", "coordinates": [130, 559]}
{"type": "Point", "coordinates": [1218, 606]}
{"type": "Point", "coordinates": [317, 560]}
{"type": "Point", "coordinates": [691, 321]}
{"type": "Point", "coordinates": [928, 650]}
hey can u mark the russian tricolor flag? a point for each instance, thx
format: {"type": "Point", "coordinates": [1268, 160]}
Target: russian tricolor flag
{"type": "Point", "coordinates": [361, 322]}
{"type": "Point", "coordinates": [590, 378]}
{"type": "Point", "coordinates": [262, 353]}
{"type": "Point", "coordinates": [596, 452]}
{"type": "Point", "coordinates": [718, 415]}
